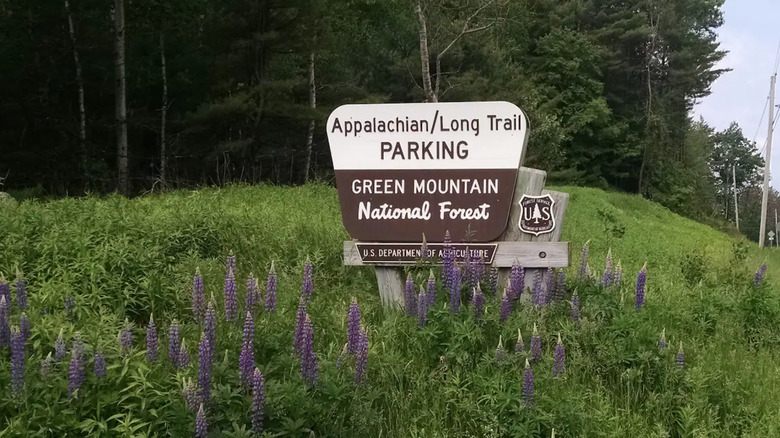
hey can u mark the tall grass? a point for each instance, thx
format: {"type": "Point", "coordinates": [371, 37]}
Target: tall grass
{"type": "Point", "coordinates": [123, 258]}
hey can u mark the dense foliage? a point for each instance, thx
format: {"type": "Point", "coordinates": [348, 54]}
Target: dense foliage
{"type": "Point", "coordinates": [90, 263]}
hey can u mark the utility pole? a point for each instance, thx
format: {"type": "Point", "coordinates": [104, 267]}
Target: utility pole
{"type": "Point", "coordinates": [736, 208]}
{"type": "Point", "coordinates": [768, 161]}
{"type": "Point", "coordinates": [778, 235]}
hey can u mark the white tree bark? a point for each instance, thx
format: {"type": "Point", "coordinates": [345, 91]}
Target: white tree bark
{"type": "Point", "coordinates": [80, 84]}
{"type": "Point", "coordinates": [312, 106]}
{"type": "Point", "coordinates": [120, 99]}
{"type": "Point", "coordinates": [424, 56]}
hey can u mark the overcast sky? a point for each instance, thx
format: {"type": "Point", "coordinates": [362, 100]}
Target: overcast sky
{"type": "Point", "coordinates": [751, 36]}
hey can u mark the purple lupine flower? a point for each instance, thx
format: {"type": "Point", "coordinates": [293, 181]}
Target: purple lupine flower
{"type": "Point", "coordinates": [183, 358]}
{"type": "Point", "coordinates": [473, 269]}
{"type": "Point", "coordinates": [424, 249]}
{"type": "Point", "coordinates": [210, 325]}
{"type": "Point", "coordinates": [231, 300]}
{"type": "Point", "coordinates": [246, 360]}
{"type": "Point", "coordinates": [516, 280]}
{"type": "Point", "coordinates": [662, 341]}
{"type": "Point", "coordinates": [308, 280]}
{"type": "Point", "coordinates": [270, 290]}
{"type": "Point", "coordinates": [641, 278]}
{"type": "Point", "coordinates": [520, 345]}
{"type": "Point", "coordinates": [618, 274]}
{"type": "Point", "coordinates": [492, 282]}
{"type": "Point", "coordinates": [537, 293]}
{"type": "Point", "coordinates": [410, 297]}
{"type": "Point", "coordinates": [198, 297]}
{"type": "Point", "coordinates": [258, 402]}
{"type": "Point", "coordinates": [447, 258]}
{"type": "Point", "coordinates": [204, 367]}
{"type": "Point", "coordinates": [252, 293]}
{"type": "Point", "coordinates": [478, 302]}
{"type": "Point", "coordinates": [549, 282]}
{"type": "Point", "coordinates": [70, 306]}
{"type": "Point", "coordinates": [559, 358]}
{"type": "Point", "coordinates": [126, 338]}
{"type": "Point", "coordinates": [500, 352]}
{"type": "Point", "coordinates": [5, 290]}
{"type": "Point", "coordinates": [309, 367]}
{"type": "Point", "coordinates": [454, 288]}
{"type": "Point", "coordinates": [201, 427]}
{"type": "Point", "coordinates": [353, 327]}
{"type": "Point", "coordinates": [174, 342]}
{"type": "Point", "coordinates": [76, 369]}
{"type": "Point", "coordinates": [606, 279]}
{"type": "Point", "coordinates": [506, 307]}
{"type": "Point", "coordinates": [21, 291]}
{"type": "Point", "coordinates": [300, 319]}
{"type": "Point", "coordinates": [151, 340]}
{"type": "Point", "coordinates": [560, 286]}
{"type": "Point", "coordinates": [24, 326]}
{"type": "Point", "coordinates": [422, 308]}
{"type": "Point", "coordinates": [680, 361]}
{"type": "Point", "coordinates": [584, 272]}
{"type": "Point", "coordinates": [100, 365]}
{"type": "Point", "coordinates": [431, 289]}
{"type": "Point", "coordinates": [17, 360]}
{"type": "Point", "coordinates": [536, 346]}
{"type": "Point", "coordinates": [191, 397]}
{"type": "Point", "coordinates": [528, 384]}
{"type": "Point", "coordinates": [759, 275]}
{"type": "Point", "coordinates": [5, 323]}
{"type": "Point", "coordinates": [59, 348]}
{"type": "Point", "coordinates": [230, 262]}
{"type": "Point", "coordinates": [46, 366]}
{"type": "Point", "coordinates": [362, 358]}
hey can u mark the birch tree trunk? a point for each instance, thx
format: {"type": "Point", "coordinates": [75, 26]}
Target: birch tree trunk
{"type": "Point", "coordinates": [312, 106]}
{"type": "Point", "coordinates": [120, 100]}
{"type": "Point", "coordinates": [80, 83]}
{"type": "Point", "coordinates": [164, 109]}
{"type": "Point", "coordinates": [424, 56]}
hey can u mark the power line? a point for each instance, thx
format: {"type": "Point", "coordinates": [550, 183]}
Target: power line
{"type": "Point", "coordinates": [763, 113]}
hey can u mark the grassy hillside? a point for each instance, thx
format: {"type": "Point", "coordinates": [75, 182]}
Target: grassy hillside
{"type": "Point", "coordinates": [122, 259]}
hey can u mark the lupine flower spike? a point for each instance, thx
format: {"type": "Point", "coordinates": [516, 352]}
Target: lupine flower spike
{"type": "Point", "coordinates": [231, 304]}
{"type": "Point", "coordinates": [431, 289]}
{"type": "Point", "coordinates": [5, 322]}
{"type": "Point", "coordinates": [5, 290]}
{"type": "Point", "coordinates": [606, 279]}
{"type": "Point", "coordinates": [641, 278]}
{"type": "Point", "coordinates": [584, 272]}
{"type": "Point", "coordinates": [21, 290]}
{"type": "Point", "coordinates": [516, 280]}
{"type": "Point", "coordinates": [362, 358]}
{"type": "Point", "coordinates": [308, 280]}
{"type": "Point", "coordinates": [126, 338]}
{"type": "Point", "coordinates": [662, 341]}
{"type": "Point", "coordinates": [500, 352]}
{"type": "Point", "coordinates": [204, 367]}
{"type": "Point", "coordinates": [300, 319]}
{"type": "Point", "coordinates": [183, 359]}
{"type": "Point", "coordinates": [424, 249]}
{"type": "Point", "coordinates": [198, 298]}
{"type": "Point", "coordinates": [410, 297]}
{"type": "Point", "coordinates": [618, 274]}
{"type": "Point", "coordinates": [17, 360]}
{"type": "Point", "coordinates": [46, 366]}
{"type": "Point", "coordinates": [519, 345]}
{"type": "Point", "coordinates": [760, 275]}
{"type": "Point", "coordinates": [210, 325]}
{"type": "Point", "coordinates": [536, 346]}
{"type": "Point", "coordinates": [76, 370]}
{"type": "Point", "coordinates": [506, 307]}
{"type": "Point", "coordinates": [478, 301]}
{"type": "Point", "coordinates": [100, 365]}
{"type": "Point", "coordinates": [174, 341]}
{"type": "Point", "coordinates": [230, 262]}
{"type": "Point", "coordinates": [559, 359]}
{"type": "Point", "coordinates": [528, 384]}
{"type": "Point", "coordinates": [680, 357]}
{"type": "Point", "coordinates": [201, 428]}
{"type": "Point", "coordinates": [447, 259]}
{"type": "Point", "coordinates": [454, 288]}
{"type": "Point", "coordinates": [59, 347]}
{"type": "Point", "coordinates": [560, 285]}
{"type": "Point", "coordinates": [537, 293]}
{"type": "Point", "coordinates": [492, 282]}
{"type": "Point", "coordinates": [353, 327]}
{"type": "Point", "coordinates": [422, 308]}
{"type": "Point", "coordinates": [309, 366]}
{"type": "Point", "coordinates": [258, 402]}
{"type": "Point", "coordinates": [270, 290]}
{"type": "Point", "coordinates": [252, 296]}
{"type": "Point", "coordinates": [24, 326]}
{"type": "Point", "coordinates": [151, 340]}
{"type": "Point", "coordinates": [191, 396]}
{"type": "Point", "coordinates": [246, 360]}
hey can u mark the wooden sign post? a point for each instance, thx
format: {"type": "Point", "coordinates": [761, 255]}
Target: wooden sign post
{"type": "Point", "coordinates": [404, 171]}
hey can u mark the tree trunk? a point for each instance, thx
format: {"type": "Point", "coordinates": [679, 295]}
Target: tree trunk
{"type": "Point", "coordinates": [424, 57]}
{"type": "Point", "coordinates": [312, 106]}
{"type": "Point", "coordinates": [121, 106]}
{"type": "Point", "coordinates": [649, 114]}
{"type": "Point", "coordinates": [80, 83]}
{"type": "Point", "coordinates": [164, 109]}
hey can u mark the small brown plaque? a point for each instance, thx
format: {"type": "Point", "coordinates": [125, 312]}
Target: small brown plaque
{"type": "Point", "coordinates": [536, 214]}
{"type": "Point", "coordinates": [410, 253]}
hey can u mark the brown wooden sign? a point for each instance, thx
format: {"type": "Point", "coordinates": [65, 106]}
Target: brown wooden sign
{"type": "Point", "coordinates": [404, 170]}
{"type": "Point", "coordinates": [411, 253]}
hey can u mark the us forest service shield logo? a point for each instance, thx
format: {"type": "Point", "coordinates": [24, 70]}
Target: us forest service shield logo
{"type": "Point", "coordinates": [536, 214]}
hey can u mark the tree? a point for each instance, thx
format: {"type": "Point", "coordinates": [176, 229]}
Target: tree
{"type": "Point", "coordinates": [733, 152]}
{"type": "Point", "coordinates": [121, 106]}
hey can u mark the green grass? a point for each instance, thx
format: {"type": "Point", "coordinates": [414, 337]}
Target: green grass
{"type": "Point", "coordinates": [128, 258]}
